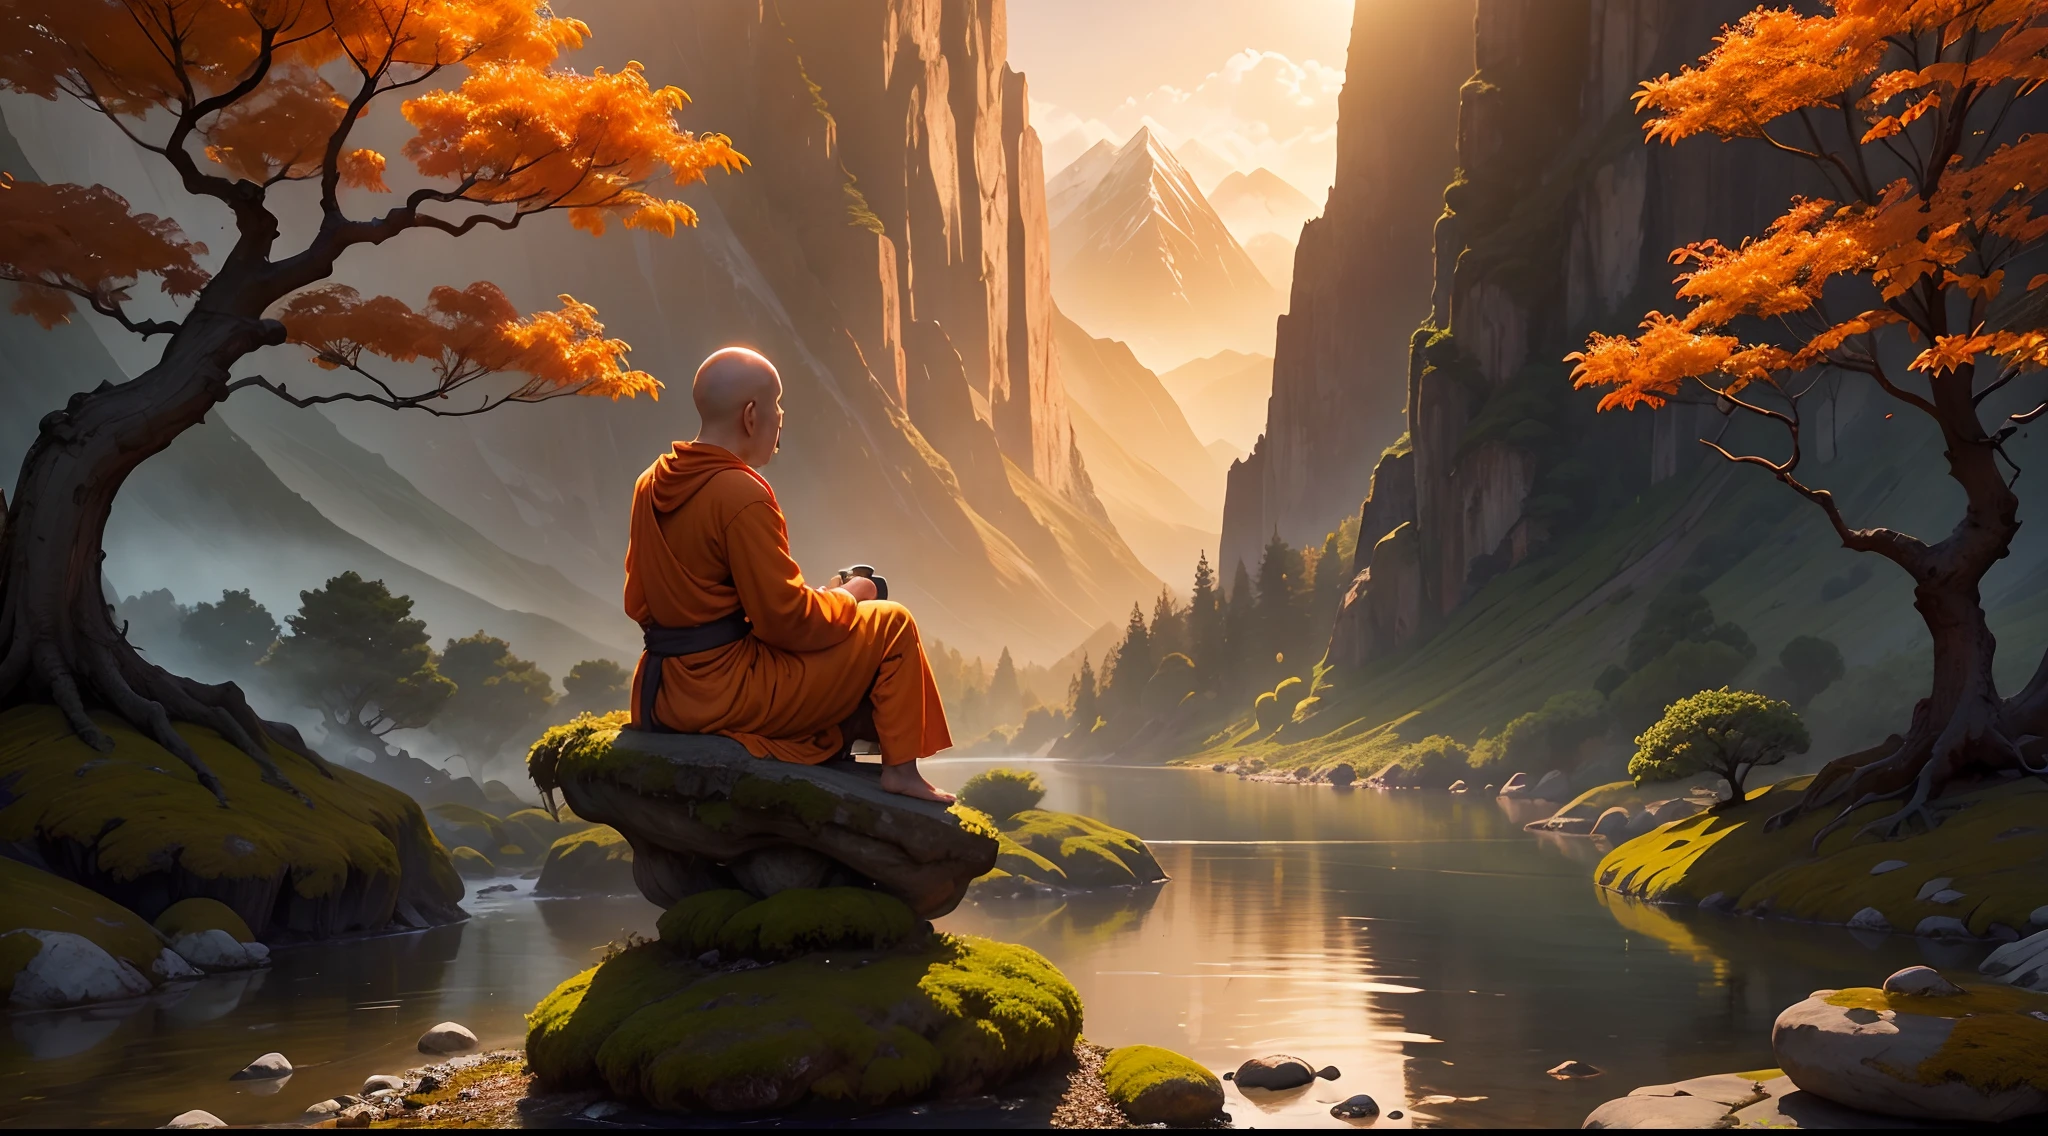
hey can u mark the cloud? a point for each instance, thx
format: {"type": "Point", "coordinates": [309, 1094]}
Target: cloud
{"type": "Point", "coordinates": [1260, 108]}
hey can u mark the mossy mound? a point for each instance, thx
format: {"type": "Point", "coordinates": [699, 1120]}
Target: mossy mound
{"type": "Point", "coordinates": [472, 864]}
{"type": "Point", "coordinates": [944, 1014]}
{"type": "Point", "coordinates": [1158, 1086]}
{"type": "Point", "coordinates": [1992, 845]}
{"type": "Point", "coordinates": [134, 824]}
{"type": "Point", "coordinates": [34, 900]}
{"type": "Point", "coordinates": [786, 924]}
{"type": "Point", "coordinates": [594, 861]}
{"type": "Point", "coordinates": [1969, 1054]}
{"type": "Point", "coordinates": [188, 916]}
{"type": "Point", "coordinates": [1041, 850]}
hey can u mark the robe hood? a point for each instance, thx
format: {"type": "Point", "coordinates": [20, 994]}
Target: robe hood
{"type": "Point", "coordinates": [686, 469]}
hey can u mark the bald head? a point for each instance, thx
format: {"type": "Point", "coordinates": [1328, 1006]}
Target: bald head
{"type": "Point", "coordinates": [739, 402]}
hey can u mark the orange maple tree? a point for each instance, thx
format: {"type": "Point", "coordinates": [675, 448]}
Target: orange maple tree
{"type": "Point", "coordinates": [245, 101]}
{"type": "Point", "coordinates": [1912, 275]}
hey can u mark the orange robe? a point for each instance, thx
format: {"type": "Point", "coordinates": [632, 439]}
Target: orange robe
{"type": "Point", "coordinates": [707, 538]}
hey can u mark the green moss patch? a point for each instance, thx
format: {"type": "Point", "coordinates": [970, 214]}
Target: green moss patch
{"type": "Point", "coordinates": [35, 900]}
{"type": "Point", "coordinates": [1158, 1086]}
{"type": "Point", "coordinates": [565, 1030]}
{"type": "Point", "coordinates": [1996, 1045]}
{"type": "Point", "coordinates": [201, 914]}
{"type": "Point", "coordinates": [594, 860]}
{"type": "Point", "coordinates": [1992, 844]}
{"type": "Point", "coordinates": [693, 924]}
{"type": "Point", "coordinates": [472, 864]}
{"type": "Point", "coordinates": [1086, 853]}
{"type": "Point", "coordinates": [955, 1016]}
{"type": "Point", "coordinates": [786, 924]}
{"type": "Point", "coordinates": [141, 822]}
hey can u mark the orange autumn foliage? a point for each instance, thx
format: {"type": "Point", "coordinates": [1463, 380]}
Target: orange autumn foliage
{"type": "Point", "coordinates": [1927, 247]}
{"type": "Point", "coordinates": [262, 93]}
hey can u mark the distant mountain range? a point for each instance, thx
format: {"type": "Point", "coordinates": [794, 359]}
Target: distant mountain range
{"type": "Point", "coordinates": [1266, 214]}
{"type": "Point", "coordinates": [1223, 397]}
{"type": "Point", "coordinates": [1139, 255]}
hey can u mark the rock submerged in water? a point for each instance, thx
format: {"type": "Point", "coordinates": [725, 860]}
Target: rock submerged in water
{"type": "Point", "coordinates": [1359, 1107]}
{"type": "Point", "coordinates": [701, 813]}
{"type": "Point", "coordinates": [267, 1067]}
{"type": "Point", "coordinates": [1275, 1073]}
{"type": "Point", "coordinates": [1158, 1086]}
{"type": "Point", "coordinates": [1044, 852]}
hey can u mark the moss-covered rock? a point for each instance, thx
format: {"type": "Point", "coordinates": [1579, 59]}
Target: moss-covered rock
{"type": "Point", "coordinates": [1978, 1054]}
{"type": "Point", "coordinates": [1070, 852]}
{"type": "Point", "coordinates": [134, 824]}
{"type": "Point", "coordinates": [704, 813]}
{"type": "Point", "coordinates": [472, 864]}
{"type": "Point", "coordinates": [1158, 1086]}
{"type": "Point", "coordinates": [1992, 847]}
{"type": "Point", "coordinates": [37, 901]}
{"type": "Point", "coordinates": [786, 924]}
{"type": "Point", "coordinates": [946, 1015]}
{"type": "Point", "coordinates": [191, 916]}
{"type": "Point", "coordinates": [594, 861]}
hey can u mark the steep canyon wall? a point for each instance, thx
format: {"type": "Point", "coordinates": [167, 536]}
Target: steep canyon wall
{"type": "Point", "coordinates": [1556, 222]}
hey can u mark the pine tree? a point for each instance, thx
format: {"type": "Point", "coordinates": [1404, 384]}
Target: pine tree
{"type": "Point", "coordinates": [1133, 666]}
{"type": "Point", "coordinates": [1205, 626]}
{"type": "Point", "coordinates": [1081, 699]}
{"type": "Point", "coordinates": [1279, 610]}
{"type": "Point", "coordinates": [1005, 700]}
{"type": "Point", "coordinates": [1240, 633]}
{"type": "Point", "coordinates": [1332, 578]}
{"type": "Point", "coordinates": [1169, 627]}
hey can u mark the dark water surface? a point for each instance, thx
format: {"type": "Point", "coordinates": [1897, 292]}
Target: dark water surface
{"type": "Point", "coordinates": [1423, 944]}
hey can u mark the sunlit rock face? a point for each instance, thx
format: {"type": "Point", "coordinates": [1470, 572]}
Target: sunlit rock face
{"type": "Point", "coordinates": [1556, 222]}
{"type": "Point", "coordinates": [1359, 286]}
{"type": "Point", "coordinates": [890, 232]}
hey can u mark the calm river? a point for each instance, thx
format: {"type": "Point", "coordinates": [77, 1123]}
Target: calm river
{"type": "Point", "coordinates": [1424, 945]}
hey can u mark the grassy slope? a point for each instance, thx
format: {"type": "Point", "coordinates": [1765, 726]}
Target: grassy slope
{"type": "Point", "coordinates": [1555, 621]}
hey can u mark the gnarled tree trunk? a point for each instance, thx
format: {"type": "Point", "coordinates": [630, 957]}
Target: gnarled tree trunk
{"type": "Point", "coordinates": [58, 641]}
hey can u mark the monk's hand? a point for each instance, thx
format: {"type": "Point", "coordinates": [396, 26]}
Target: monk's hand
{"type": "Point", "coordinates": [859, 587]}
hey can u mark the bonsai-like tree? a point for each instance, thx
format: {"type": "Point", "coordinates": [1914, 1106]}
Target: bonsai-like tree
{"type": "Point", "coordinates": [233, 634]}
{"type": "Point", "coordinates": [595, 686]}
{"type": "Point", "coordinates": [497, 695]}
{"type": "Point", "coordinates": [1724, 732]}
{"type": "Point", "coordinates": [1907, 111]}
{"type": "Point", "coordinates": [245, 102]}
{"type": "Point", "coordinates": [357, 656]}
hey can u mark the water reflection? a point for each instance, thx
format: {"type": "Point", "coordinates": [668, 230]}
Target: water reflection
{"type": "Point", "coordinates": [1438, 955]}
{"type": "Point", "coordinates": [1423, 944]}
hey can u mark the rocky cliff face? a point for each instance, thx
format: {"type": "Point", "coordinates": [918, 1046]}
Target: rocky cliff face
{"type": "Point", "coordinates": [888, 249]}
{"type": "Point", "coordinates": [1340, 358]}
{"type": "Point", "coordinates": [1556, 222]}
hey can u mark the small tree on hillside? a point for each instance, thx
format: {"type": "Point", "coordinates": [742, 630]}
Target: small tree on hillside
{"type": "Point", "coordinates": [1005, 699]}
{"type": "Point", "coordinates": [237, 101]}
{"type": "Point", "coordinates": [232, 635]}
{"type": "Point", "coordinates": [595, 686]}
{"type": "Point", "coordinates": [1806, 666]}
{"type": "Point", "coordinates": [1907, 110]}
{"type": "Point", "coordinates": [1723, 732]}
{"type": "Point", "coordinates": [498, 696]}
{"type": "Point", "coordinates": [357, 656]}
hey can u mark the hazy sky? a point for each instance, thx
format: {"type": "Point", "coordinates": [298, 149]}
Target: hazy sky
{"type": "Point", "coordinates": [1256, 82]}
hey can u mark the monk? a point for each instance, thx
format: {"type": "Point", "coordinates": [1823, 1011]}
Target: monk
{"type": "Point", "coordinates": [737, 643]}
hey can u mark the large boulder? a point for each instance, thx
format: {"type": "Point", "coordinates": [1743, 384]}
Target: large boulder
{"type": "Point", "coordinates": [702, 813]}
{"type": "Point", "coordinates": [1979, 1055]}
{"type": "Point", "coordinates": [2023, 963]}
{"type": "Point", "coordinates": [593, 861]}
{"type": "Point", "coordinates": [344, 855]}
{"type": "Point", "coordinates": [1044, 851]}
{"type": "Point", "coordinates": [857, 1003]}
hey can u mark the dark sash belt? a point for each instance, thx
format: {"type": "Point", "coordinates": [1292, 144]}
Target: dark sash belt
{"type": "Point", "coordinates": [664, 643]}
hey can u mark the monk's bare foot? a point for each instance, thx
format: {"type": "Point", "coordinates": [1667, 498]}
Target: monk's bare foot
{"type": "Point", "coordinates": [905, 780]}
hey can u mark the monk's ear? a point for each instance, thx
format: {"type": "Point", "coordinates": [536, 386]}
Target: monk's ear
{"type": "Point", "coordinates": [750, 417]}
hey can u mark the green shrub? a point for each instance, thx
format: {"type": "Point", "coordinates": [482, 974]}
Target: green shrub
{"type": "Point", "coordinates": [1678, 616]}
{"type": "Point", "coordinates": [1548, 737]}
{"type": "Point", "coordinates": [1003, 793]}
{"type": "Point", "coordinates": [1806, 666]}
{"type": "Point", "coordinates": [1726, 732]}
{"type": "Point", "coordinates": [1435, 761]}
{"type": "Point", "coordinates": [1272, 710]}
